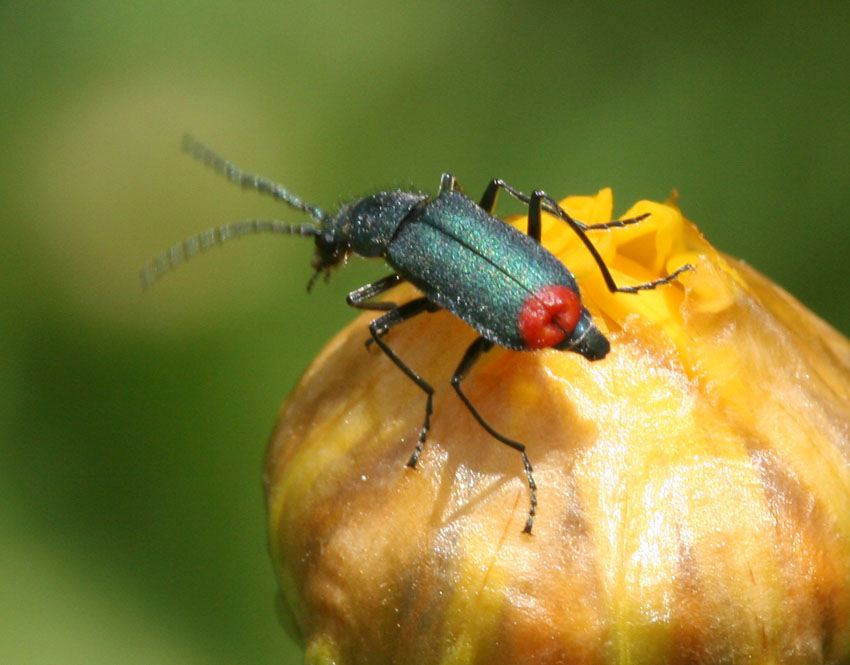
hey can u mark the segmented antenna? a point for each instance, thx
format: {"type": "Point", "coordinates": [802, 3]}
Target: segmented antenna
{"type": "Point", "coordinates": [171, 258]}
{"type": "Point", "coordinates": [228, 169]}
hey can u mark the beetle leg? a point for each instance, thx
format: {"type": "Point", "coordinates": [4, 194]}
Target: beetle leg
{"type": "Point", "coordinates": [614, 224]}
{"type": "Point", "coordinates": [538, 198]}
{"type": "Point", "coordinates": [488, 200]}
{"type": "Point", "coordinates": [488, 203]}
{"type": "Point", "coordinates": [473, 353]}
{"type": "Point", "coordinates": [378, 328]}
{"type": "Point", "coordinates": [359, 297]}
{"type": "Point", "coordinates": [448, 183]}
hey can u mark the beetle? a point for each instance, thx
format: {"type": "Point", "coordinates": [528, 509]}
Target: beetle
{"type": "Point", "coordinates": [500, 281]}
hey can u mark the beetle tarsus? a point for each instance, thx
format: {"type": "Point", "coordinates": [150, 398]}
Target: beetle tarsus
{"type": "Point", "coordinates": [535, 207]}
{"type": "Point", "coordinates": [423, 433]}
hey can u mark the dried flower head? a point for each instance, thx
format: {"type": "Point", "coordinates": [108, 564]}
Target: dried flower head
{"type": "Point", "coordinates": [694, 486]}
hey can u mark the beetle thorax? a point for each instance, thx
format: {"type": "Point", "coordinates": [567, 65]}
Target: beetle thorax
{"type": "Point", "coordinates": [369, 225]}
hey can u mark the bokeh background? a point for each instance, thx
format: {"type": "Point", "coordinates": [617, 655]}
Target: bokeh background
{"type": "Point", "coordinates": [134, 424]}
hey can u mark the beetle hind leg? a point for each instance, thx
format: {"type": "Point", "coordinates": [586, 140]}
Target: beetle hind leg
{"type": "Point", "coordinates": [540, 199]}
{"type": "Point", "coordinates": [473, 353]}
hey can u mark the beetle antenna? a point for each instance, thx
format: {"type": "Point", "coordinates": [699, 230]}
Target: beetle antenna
{"type": "Point", "coordinates": [171, 258]}
{"type": "Point", "coordinates": [229, 170]}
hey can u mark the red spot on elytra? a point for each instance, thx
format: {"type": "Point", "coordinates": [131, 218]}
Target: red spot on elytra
{"type": "Point", "coordinates": [548, 316]}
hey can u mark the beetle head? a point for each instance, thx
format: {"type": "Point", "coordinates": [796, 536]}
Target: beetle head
{"type": "Point", "coordinates": [330, 252]}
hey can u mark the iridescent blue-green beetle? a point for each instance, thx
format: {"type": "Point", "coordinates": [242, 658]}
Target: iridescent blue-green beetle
{"type": "Point", "coordinates": [500, 281]}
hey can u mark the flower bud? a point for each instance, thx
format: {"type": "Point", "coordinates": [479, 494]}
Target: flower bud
{"type": "Point", "coordinates": [693, 485]}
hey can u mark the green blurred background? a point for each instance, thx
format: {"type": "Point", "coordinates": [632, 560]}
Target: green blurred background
{"type": "Point", "coordinates": [133, 425]}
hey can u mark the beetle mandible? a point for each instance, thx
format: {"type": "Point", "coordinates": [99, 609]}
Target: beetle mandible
{"type": "Point", "coordinates": [447, 246]}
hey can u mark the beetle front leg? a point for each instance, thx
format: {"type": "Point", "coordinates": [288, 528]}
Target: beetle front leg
{"type": "Point", "coordinates": [360, 298]}
{"type": "Point", "coordinates": [378, 328]}
{"type": "Point", "coordinates": [473, 353]}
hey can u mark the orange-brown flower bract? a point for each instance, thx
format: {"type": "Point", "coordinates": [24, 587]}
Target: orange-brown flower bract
{"type": "Point", "coordinates": [694, 486]}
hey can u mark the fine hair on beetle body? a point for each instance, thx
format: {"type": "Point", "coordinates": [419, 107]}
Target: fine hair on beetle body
{"type": "Point", "coordinates": [502, 282]}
